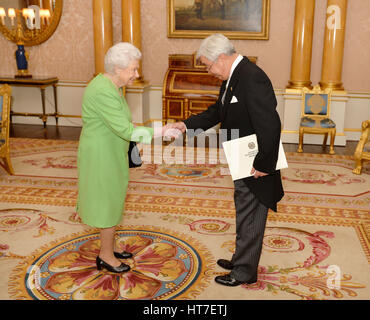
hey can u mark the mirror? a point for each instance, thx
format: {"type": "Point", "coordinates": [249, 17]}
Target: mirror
{"type": "Point", "coordinates": [37, 25]}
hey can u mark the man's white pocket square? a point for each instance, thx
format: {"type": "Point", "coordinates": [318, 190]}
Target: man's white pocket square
{"type": "Point", "coordinates": [233, 99]}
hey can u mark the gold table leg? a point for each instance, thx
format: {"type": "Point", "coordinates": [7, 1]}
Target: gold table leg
{"type": "Point", "coordinates": [43, 117]}
{"type": "Point", "coordinates": [55, 104]}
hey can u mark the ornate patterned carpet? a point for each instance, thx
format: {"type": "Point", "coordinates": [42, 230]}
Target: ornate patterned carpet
{"type": "Point", "coordinates": [179, 219]}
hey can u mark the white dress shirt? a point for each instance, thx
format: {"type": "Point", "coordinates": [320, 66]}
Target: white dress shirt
{"type": "Point", "coordinates": [233, 66]}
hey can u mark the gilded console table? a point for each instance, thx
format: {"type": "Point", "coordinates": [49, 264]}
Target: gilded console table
{"type": "Point", "coordinates": [38, 82]}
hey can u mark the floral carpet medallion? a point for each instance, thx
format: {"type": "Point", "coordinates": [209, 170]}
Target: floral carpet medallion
{"type": "Point", "coordinates": [164, 266]}
{"type": "Point", "coordinates": [210, 227]}
{"type": "Point", "coordinates": [22, 219]}
{"type": "Point", "coordinates": [183, 172]}
{"type": "Point", "coordinates": [13, 220]}
{"type": "Point", "coordinates": [325, 177]}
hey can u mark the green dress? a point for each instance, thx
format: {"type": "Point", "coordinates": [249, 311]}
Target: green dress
{"type": "Point", "coordinates": [102, 161]}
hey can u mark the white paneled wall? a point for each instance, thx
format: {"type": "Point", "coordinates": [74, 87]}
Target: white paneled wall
{"type": "Point", "coordinates": [145, 101]}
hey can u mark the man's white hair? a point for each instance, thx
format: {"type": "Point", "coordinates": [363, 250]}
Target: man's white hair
{"type": "Point", "coordinates": [214, 45]}
{"type": "Point", "coordinates": [120, 55]}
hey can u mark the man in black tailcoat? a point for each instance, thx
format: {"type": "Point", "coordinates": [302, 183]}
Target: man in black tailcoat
{"type": "Point", "coordinates": [246, 102]}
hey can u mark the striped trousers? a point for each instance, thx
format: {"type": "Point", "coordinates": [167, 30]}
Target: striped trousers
{"type": "Point", "coordinates": [251, 216]}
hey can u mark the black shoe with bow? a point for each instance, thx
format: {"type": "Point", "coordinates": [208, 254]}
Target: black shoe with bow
{"type": "Point", "coordinates": [230, 281]}
{"type": "Point", "coordinates": [100, 264]}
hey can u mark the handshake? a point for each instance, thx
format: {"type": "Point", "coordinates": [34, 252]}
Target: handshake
{"type": "Point", "coordinates": [170, 130]}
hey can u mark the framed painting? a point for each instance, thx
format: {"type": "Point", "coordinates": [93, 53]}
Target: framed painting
{"type": "Point", "coordinates": [236, 19]}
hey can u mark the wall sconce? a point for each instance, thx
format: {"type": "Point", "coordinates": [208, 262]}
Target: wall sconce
{"type": "Point", "coordinates": [36, 20]}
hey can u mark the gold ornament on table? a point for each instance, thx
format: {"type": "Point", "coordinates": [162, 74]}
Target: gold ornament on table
{"type": "Point", "coordinates": [28, 26]}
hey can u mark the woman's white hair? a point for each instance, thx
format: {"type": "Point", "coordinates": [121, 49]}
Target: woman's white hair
{"type": "Point", "coordinates": [214, 45]}
{"type": "Point", "coordinates": [120, 55]}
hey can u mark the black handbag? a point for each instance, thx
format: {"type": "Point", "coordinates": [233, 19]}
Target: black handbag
{"type": "Point", "coordinates": [134, 159]}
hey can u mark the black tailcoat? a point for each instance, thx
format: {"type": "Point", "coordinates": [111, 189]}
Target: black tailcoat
{"type": "Point", "coordinates": [253, 113]}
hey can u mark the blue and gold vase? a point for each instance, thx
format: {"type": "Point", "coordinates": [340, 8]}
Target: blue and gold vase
{"type": "Point", "coordinates": [22, 63]}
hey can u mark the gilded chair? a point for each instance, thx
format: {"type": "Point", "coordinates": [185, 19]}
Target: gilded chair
{"type": "Point", "coordinates": [5, 94]}
{"type": "Point", "coordinates": [315, 114]}
{"type": "Point", "coordinates": [362, 151]}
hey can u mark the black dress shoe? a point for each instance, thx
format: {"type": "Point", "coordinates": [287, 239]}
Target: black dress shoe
{"type": "Point", "coordinates": [228, 280]}
{"type": "Point", "coordinates": [123, 255]}
{"type": "Point", "coordinates": [100, 264]}
{"type": "Point", "coordinates": [226, 264]}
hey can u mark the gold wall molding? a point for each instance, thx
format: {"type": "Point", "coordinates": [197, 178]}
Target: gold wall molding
{"type": "Point", "coordinates": [290, 131]}
{"type": "Point", "coordinates": [72, 84]}
{"type": "Point", "coordinates": [148, 122]}
{"type": "Point", "coordinates": [352, 130]}
{"type": "Point", "coordinates": [359, 92]}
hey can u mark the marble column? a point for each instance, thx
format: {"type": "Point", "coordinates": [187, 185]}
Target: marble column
{"type": "Point", "coordinates": [332, 61]}
{"type": "Point", "coordinates": [131, 26]}
{"type": "Point", "coordinates": [103, 31]}
{"type": "Point", "coordinates": [302, 45]}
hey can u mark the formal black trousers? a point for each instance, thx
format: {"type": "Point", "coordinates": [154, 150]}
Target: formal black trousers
{"type": "Point", "coordinates": [251, 216]}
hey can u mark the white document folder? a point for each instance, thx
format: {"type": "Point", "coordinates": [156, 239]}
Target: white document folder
{"type": "Point", "coordinates": [240, 154]}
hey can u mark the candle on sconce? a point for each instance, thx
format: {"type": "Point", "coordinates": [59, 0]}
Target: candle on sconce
{"type": "Point", "coordinates": [28, 15]}
{"type": "Point", "coordinates": [44, 15]}
{"type": "Point", "coordinates": [11, 14]}
{"type": "Point", "coordinates": [47, 15]}
{"type": "Point", "coordinates": [2, 15]}
{"type": "Point", "coordinates": [25, 13]}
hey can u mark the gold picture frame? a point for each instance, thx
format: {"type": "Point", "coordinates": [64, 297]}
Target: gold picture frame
{"type": "Point", "coordinates": [235, 19]}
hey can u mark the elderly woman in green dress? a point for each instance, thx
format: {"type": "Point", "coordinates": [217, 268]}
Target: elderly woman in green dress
{"type": "Point", "coordinates": [103, 169]}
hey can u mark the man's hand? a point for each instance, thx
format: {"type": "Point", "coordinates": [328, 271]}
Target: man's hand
{"type": "Point", "coordinates": [174, 130]}
{"type": "Point", "coordinates": [170, 130]}
{"type": "Point", "coordinates": [257, 173]}
{"type": "Point", "coordinates": [179, 125]}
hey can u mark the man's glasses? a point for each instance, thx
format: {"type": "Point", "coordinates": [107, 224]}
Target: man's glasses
{"type": "Point", "coordinates": [211, 65]}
